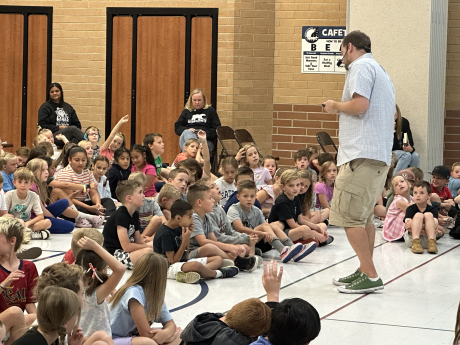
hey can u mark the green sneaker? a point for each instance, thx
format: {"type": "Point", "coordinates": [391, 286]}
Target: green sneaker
{"type": "Point", "coordinates": [348, 279]}
{"type": "Point", "coordinates": [362, 285]}
{"type": "Point", "coordinates": [189, 277]}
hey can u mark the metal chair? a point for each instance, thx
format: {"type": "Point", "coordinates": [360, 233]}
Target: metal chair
{"type": "Point", "coordinates": [225, 133]}
{"type": "Point", "coordinates": [243, 137]}
{"type": "Point", "coordinates": [325, 139]}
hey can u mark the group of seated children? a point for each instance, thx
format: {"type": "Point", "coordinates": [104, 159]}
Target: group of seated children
{"type": "Point", "coordinates": [420, 213]}
{"type": "Point", "coordinates": [78, 303]}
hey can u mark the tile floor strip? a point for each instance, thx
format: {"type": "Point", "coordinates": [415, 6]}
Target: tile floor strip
{"type": "Point", "coordinates": [390, 325]}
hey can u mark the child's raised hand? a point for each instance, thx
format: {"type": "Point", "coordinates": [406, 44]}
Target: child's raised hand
{"type": "Point", "coordinates": [201, 135]}
{"type": "Point", "coordinates": [271, 280]}
{"type": "Point", "coordinates": [124, 119]}
{"type": "Point", "coordinates": [87, 243]}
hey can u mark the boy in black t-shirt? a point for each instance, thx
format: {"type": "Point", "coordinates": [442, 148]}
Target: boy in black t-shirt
{"type": "Point", "coordinates": [172, 240]}
{"type": "Point", "coordinates": [421, 220]}
{"type": "Point", "coordinates": [121, 233]}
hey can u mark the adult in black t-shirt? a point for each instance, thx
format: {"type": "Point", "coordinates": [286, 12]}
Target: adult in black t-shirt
{"type": "Point", "coordinates": [284, 208]}
{"type": "Point", "coordinates": [122, 218]}
{"type": "Point", "coordinates": [59, 116]}
{"type": "Point", "coordinates": [168, 240]}
{"type": "Point", "coordinates": [197, 115]}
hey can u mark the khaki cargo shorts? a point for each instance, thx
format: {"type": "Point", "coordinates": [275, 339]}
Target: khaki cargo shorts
{"type": "Point", "coordinates": [356, 191]}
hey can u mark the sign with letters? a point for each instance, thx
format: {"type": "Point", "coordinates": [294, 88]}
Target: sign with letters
{"type": "Point", "coordinates": [321, 49]}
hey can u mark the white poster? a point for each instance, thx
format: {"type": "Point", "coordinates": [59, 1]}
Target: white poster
{"type": "Point", "coordinates": [321, 49]}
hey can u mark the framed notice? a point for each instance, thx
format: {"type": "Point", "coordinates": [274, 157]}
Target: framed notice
{"type": "Point", "coordinates": [321, 49]}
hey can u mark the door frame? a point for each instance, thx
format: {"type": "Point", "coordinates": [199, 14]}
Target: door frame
{"type": "Point", "coordinates": [26, 11]}
{"type": "Point", "coordinates": [136, 12]}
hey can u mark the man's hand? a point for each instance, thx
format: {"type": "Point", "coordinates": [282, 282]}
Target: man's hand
{"type": "Point", "coordinates": [330, 107]}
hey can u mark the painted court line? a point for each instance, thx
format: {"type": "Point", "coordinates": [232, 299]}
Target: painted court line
{"type": "Point", "coordinates": [47, 257]}
{"type": "Point", "coordinates": [390, 325]}
{"type": "Point", "coordinates": [389, 282]}
{"type": "Point", "coordinates": [204, 291]}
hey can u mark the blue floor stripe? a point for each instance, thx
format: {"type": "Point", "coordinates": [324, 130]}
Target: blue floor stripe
{"type": "Point", "coordinates": [204, 291]}
{"type": "Point", "coordinates": [48, 257]}
{"type": "Point", "coordinates": [53, 251]}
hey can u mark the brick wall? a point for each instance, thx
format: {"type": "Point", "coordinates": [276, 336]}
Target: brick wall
{"type": "Point", "coordinates": [295, 127]}
{"type": "Point", "coordinates": [297, 97]}
{"type": "Point", "coordinates": [452, 119]}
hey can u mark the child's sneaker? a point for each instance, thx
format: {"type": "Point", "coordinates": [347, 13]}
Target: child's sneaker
{"type": "Point", "coordinates": [362, 285]}
{"type": "Point", "coordinates": [348, 279]}
{"type": "Point", "coordinates": [260, 261]}
{"type": "Point", "coordinates": [246, 264]}
{"type": "Point", "coordinates": [97, 221]}
{"type": "Point", "coordinates": [229, 271]}
{"type": "Point", "coordinates": [289, 252]}
{"type": "Point", "coordinates": [40, 235]}
{"type": "Point", "coordinates": [417, 246]}
{"type": "Point", "coordinates": [329, 240]}
{"type": "Point", "coordinates": [29, 253]}
{"type": "Point", "coordinates": [258, 252]}
{"type": "Point", "coordinates": [227, 263]}
{"type": "Point", "coordinates": [432, 247]}
{"type": "Point", "coordinates": [83, 223]}
{"type": "Point", "coordinates": [188, 278]}
{"type": "Point", "coordinates": [307, 249]}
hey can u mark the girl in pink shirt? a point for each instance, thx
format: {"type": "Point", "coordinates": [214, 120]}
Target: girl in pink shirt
{"type": "Point", "coordinates": [142, 160]}
{"type": "Point", "coordinates": [393, 228]}
{"type": "Point", "coordinates": [115, 140]}
{"type": "Point", "coordinates": [325, 188]}
{"type": "Point", "coordinates": [250, 156]}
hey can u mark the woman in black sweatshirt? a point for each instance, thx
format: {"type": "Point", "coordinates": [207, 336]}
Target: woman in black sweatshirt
{"type": "Point", "coordinates": [405, 152]}
{"type": "Point", "coordinates": [197, 115]}
{"type": "Point", "coordinates": [59, 116]}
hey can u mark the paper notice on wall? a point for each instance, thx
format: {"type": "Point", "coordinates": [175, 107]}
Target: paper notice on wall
{"type": "Point", "coordinates": [321, 49]}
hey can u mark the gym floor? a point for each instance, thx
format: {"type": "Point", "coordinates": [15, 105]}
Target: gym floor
{"type": "Point", "coordinates": [418, 305]}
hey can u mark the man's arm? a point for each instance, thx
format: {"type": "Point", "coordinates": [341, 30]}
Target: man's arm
{"type": "Point", "coordinates": [358, 105]}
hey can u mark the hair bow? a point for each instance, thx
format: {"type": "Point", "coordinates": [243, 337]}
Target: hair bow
{"type": "Point", "coordinates": [91, 268]}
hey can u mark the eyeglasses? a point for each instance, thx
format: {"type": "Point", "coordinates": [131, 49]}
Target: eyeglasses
{"type": "Point", "coordinates": [93, 133]}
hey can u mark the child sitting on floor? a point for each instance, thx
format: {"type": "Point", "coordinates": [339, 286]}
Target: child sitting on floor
{"type": "Point", "coordinates": [22, 155]}
{"type": "Point", "coordinates": [325, 188]}
{"type": "Point", "coordinates": [191, 150]}
{"type": "Point", "coordinates": [269, 162]}
{"type": "Point", "coordinates": [17, 277]}
{"type": "Point", "coordinates": [179, 178]}
{"type": "Point", "coordinates": [20, 202]}
{"type": "Point", "coordinates": [140, 302]}
{"type": "Point", "coordinates": [119, 171]}
{"type": "Point", "coordinates": [154, 141]}
{"type": "Point", "coordinates": [168, 194]}
{"type": "Point", "coordinates": [421, 220]}
{"type": "Point", "coordinates": [172, 240]}
{"type": "Point", "coordinates": [267, 194]}
{"type": "Point", "coordinates": [121, 231]}
{"type": "Point", "coordinates": [243, 173]}
{"type": "Point", "coordinates": [286, 210]}
{"type": "Point", "coordinates": [143, 161]}
{"type": "Point", "coordinates": [93, 135]}
{"type": "Point", "coordinates": [78, 234]}
{"type": "Point", "coordinates": [226, 183]}
{"type": "Point", "coordinates": [251, 157]}
{"type": "Point", "coordinates": [222, 227]}
{"type": "Point", "coordinates": [115, 140]}
{"type": "Point", "coordinates": [8, 165]}
{"type": "Point", "coordinates": [203, 241]}
{"type": "Point", "coordinates": [150, 214]}
{"type": "Point", "coordinates": [246, 218]}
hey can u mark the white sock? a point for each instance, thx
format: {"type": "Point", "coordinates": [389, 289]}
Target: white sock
{"type": "Point", "coordinates": [374, 279]}
{"type": "Point", "coordinates": [218, 274]}
{"type": "Point", "coordinates": [73, 207]}
{"type": "Point", "coordinates": [82, 215]}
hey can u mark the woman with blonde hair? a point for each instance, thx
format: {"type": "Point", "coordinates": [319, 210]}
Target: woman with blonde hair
{"type": "Point", "coordinates": [197, 115]}
{"type": "Point", "coordinates": [403, 144]}
{"type": "Point", "coordinates": [140, 301]}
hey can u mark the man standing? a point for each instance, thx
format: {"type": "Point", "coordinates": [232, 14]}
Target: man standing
{"type": "Point", "coordinates": [366, 138]}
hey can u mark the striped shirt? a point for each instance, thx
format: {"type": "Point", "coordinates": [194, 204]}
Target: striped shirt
{"type": "Point", "coordinates": [69, 175]}
{"type": "Point", "coordinates": [370, 134]}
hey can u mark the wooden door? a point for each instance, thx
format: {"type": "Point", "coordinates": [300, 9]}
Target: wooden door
{"type": "Point", "coordinates": [155, 57]}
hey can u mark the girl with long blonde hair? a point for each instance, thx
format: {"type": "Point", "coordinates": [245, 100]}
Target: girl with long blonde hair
{"type": "Point", "coordinates": [140, 301]}
{"type": "Point", "coordinates": [197, 115]}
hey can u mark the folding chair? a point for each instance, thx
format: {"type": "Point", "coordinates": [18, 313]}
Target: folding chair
{"type": "Point", "coordinates": [325, 139]}
{"type": "Point", "coordinates": [244, 137]}
{"type": "Point", "coordinates": [225, 133]}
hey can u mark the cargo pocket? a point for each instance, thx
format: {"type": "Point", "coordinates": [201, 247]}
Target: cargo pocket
{"type": "Point", "coordinates": [349, 201]}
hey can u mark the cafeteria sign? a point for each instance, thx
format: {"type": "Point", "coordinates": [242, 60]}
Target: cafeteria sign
{"type": "Point", "coordinates": [321, 49]}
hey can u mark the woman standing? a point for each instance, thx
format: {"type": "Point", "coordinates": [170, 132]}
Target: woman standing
{"type": "Point", "coordinates": [197, 115]}
{"type": "Point", "coordinates": [404, 150]}
{"type": "Point", "coordinates": [59, 116]}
